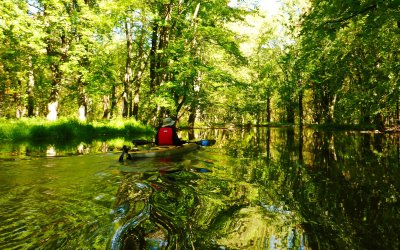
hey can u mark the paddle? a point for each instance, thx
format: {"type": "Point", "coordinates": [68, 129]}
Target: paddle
{"type": "Point", "coordinates": [125, 150]}
{"type": "Point", "coordinates": [200, 142]}
{"type": "Point", "coordinates": [204, 142]}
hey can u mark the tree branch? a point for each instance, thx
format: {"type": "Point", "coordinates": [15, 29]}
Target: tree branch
{"type": "Point", "coordinates": [343, 19]}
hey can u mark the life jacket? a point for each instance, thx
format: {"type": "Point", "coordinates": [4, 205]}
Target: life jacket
{"type": "Point", "coordinates": [165, 136]}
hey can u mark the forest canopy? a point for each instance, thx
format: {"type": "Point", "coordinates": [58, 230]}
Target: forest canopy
{"type": "Point", "coordinates": [205, 62]}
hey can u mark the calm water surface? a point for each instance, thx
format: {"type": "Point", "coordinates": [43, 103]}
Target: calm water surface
{"type": "Point", "coordinates": [278, 188]}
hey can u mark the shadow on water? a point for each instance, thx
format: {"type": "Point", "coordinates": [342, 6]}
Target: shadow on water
{"type": "Point", "coordinates": [261, 188]}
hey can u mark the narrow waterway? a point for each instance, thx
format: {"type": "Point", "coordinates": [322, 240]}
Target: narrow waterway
{"type": "Point", "coordinates": [265, 188]}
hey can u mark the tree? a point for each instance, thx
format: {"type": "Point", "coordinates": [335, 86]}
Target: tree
{"type": "Point", "coordinates": [362, 78]}
{"type": "Point", "coordinates": [21, 51]}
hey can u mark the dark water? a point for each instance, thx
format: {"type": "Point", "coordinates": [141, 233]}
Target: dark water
{"type": "Point", "coordinates": [278, 188]}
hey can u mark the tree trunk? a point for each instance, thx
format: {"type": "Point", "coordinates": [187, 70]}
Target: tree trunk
{"type": "Point", "coordinates": [378, 121]}
{"type": "Point", "coordinates": [58, 55]}
{"type": "Point", "coordinates": [326, 106]}
{"type": "Point", "coordinates": [113, 101]}
{"type": "Point", "coordinates": [153, 57]}
{"type": "Point", "coordinates": [289, 114]}
{"type": "Point", "coordinates": [268, 108]}
{"type": "Point", "coordinates": [364, 119]}
{"type": "Point", "coordinates": [31, 84]}
{"type": "Point", "coordinates": [158, 58]}
{"type": "Point", "coordinates": [82, 100]}
{"type": "Point", "coordinates": [140, 68]}
{"type": "Point", "coordinates": [136, 93]}
{"type": "Point", "coordinates": [301, 108]}
{"type": "Point", "coordinates": [17, 100]}
{"type": "Point", "coordinates": [106, 106]}
{"type": "Point", "coordinates": [128, 71]}
{"type": "Point", "coordinates": [192, 116]}
{"type": "Point", "coordinates": [136, 99]}
{"type": "Point", "coordinates": [52, 105]}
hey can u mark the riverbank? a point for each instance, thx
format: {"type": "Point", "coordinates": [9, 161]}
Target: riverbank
{"type": "Point", "coordinates": [41, 130]}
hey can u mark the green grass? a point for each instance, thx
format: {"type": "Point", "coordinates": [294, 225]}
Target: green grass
{"type": "Point", "coordinates": [67, 130]}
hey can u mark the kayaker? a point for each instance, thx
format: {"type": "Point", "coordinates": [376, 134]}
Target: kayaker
{"type": "Point", "coordinates": [166, 134]}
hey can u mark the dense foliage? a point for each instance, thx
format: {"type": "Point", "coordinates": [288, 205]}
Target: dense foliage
{"type": "Point", "coordinates": [317, 62]}
{"type": "Point", "coordinates": [349, 61]}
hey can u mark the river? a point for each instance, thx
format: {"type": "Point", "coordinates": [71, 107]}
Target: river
{"type": "Point", "coordinates": [257, 188]}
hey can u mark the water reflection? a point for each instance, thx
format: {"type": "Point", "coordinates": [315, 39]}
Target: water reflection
{"type": "Point", "coordinates": [160, 207]}
{"type": "Point", "coordinates": [27, 149]}
{"type": "Point", "coordinates": [283, 188]}
{"type": "Point", "coordinates": [277, 188]}
{"type": "Point", "coordinates": [199, 204]}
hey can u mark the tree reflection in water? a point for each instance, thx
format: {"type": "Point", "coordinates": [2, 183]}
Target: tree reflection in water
{"type": "Point", "coordinates": [268, 189]}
